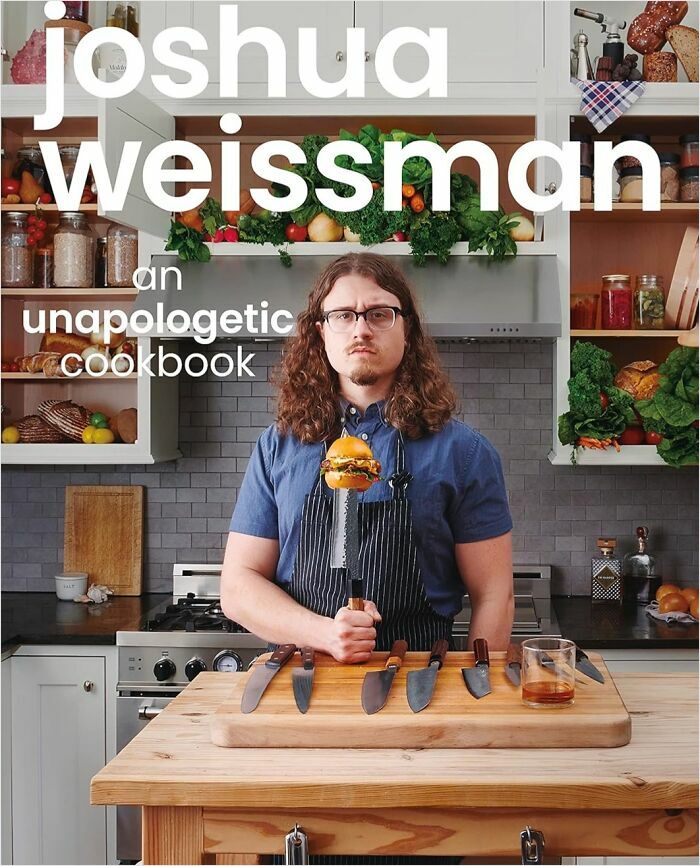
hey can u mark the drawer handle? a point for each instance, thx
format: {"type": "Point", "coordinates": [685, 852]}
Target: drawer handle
{"type": "Point", "coordinates": [88, 686]}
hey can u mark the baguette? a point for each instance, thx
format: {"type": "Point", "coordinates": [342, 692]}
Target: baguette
{"type": "Point", "coordinates": [647, 33]}
{"type": "Point", "coordinates": [684, 41]}
{"type": "Point", "coordinates": [64, 342]}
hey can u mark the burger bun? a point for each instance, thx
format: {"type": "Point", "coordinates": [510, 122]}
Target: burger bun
{"type": "Point", "coordinates": [338, 480]}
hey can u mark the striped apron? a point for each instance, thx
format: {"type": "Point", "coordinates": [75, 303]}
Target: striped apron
{"type": "Point", "coordinates": [388, 564]}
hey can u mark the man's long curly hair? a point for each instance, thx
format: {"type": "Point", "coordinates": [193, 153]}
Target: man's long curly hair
{"type": "Point", "coordinates": [421, 399]}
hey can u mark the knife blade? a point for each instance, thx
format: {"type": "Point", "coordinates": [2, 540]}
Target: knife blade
{"type": "Point", "coordinates": [586, 666]}
{"type": "Point", "coordinates": [421, 684]}
{"type": "Point", "coordinates": [345, 533]}
{"type": "Point", "coordinates": [303, 679]}
{"type": "Point", "coordinates": [477, 678]}
{"type": "Point", "coordinates": [514, 661]}
{"type": "Point", "coordinates": [263, 675]}
{"type": "Point", "coordinates": [377, 684]}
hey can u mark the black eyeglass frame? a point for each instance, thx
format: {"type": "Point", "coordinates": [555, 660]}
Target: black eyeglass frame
{"type": "Point", "coordinates": [396, 310]}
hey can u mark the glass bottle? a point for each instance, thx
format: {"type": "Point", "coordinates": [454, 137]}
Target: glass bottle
{"type": "Point", "coordinates": [649, 303]}
{"type": "Point", "coordinates": [17, 255]}
{"type": "Point", "coordinates": [122, 255]}
{"type": "Point", "coordinates": [616, 303]}
{"type": "Point", "coordinates": [74, 256]}
{"type": "Point", "coordinates": [639, 570]}
{"type": "Point", "coordinates": [101, 263]}
{"type": "Point", "coordinates": [43, 268]}
{"type": "Point", "coordinates": [606, 573]}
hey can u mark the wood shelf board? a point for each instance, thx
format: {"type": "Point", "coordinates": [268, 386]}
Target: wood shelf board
{"type": "Point", "coordinates": [39, 377]}
{"type": "Point", "coordinates": [608, 334]}
{"type": "Point", "coordinates": [67, 294]}
{"type": "Point", "coordinates": [632, 212]}
{"type": "Point", "coordinates": [48, 208]}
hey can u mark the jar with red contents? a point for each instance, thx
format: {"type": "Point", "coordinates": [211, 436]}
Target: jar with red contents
{"type": "Point", "coordinates": [616, 303]}
{"type": "Point", "coordinates": [689, 154]}
{"type": "Point", "coordinates": [77, 11]}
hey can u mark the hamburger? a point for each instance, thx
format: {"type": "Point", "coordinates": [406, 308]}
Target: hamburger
{"type": "Point", "coordinates": [349, 463]}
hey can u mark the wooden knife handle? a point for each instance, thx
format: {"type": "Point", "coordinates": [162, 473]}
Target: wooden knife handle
{"type": "Point", "coordinates": [398, 651]}
{"type": "Point", "coordinates": [281, 655]}
{"type": "Point", "coordinates": [514, 655]}
{"type": "Point", "coordinates": [307, 657]}
{"type": "Point", "coordinates": [355, 594]}
{"type": "Point", "coordinates": [439, 651]}
{"type": "Point", "coordinates": [481, 651]}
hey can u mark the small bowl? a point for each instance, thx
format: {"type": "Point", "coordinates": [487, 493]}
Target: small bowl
{"type": "Point", "coordinates": [70, 584]}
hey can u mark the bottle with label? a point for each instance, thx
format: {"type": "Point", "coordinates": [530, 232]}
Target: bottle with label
{"type": "Point", "coordinates": [126, 17]}
{"type": "Point", "coordinates": [606, 573]}
{"type": "Point", "coordinates": [639, 570]}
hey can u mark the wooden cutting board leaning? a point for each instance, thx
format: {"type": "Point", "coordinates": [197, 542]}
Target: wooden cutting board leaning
{"type": "Point", "coordinates": [103, 535]}
{"type": "Point", "coordinates": [453, 720]}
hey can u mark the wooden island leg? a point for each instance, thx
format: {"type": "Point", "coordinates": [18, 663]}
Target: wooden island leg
{"type": "Point", "coordinates": [172, 834]}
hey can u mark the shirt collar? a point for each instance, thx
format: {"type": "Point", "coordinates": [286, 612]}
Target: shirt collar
{"type": "Point", "coordinates": [378, 407]}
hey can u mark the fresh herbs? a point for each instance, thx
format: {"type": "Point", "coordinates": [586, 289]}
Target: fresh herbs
{"type": "Point", "coordinates": [188, 243]}
{"type": "Point", "coordinates": [263, 228]}
{"type": "Point", "coordinates": [212, 216]}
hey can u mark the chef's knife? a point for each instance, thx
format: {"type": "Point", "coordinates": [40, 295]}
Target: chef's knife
{"type": "Point", "coordinates": [345, 533]}
{"type": "Point", "coordinates": [377, 684]}
{"type": "Point", "coordinates": [477, 678]}
{"type": "Point", "coordinates": [421, 684]}
{"type": "Point", "coordinates": [514, 661]}
{"type": "Point", "coordinates": [262, 675]}
{"type": "Point", "coordinates": [303, 679]}
{"type": "Point", "coordinates": [586, 666]}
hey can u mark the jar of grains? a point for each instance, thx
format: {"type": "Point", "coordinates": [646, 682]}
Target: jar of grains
{"type": "Point", "coordinates": [649, 303]}
{"type": "Point", "coordinates": [689, 183]}
{"type": "Point", "coordinates": [17, 255]}
{"type": "Point", "coordinates": [668, 165]}
{"type": "Point", "coordinates": [616, 303]}
{"type": "Point", "coordinates": [631, 184]}
{"type": "Point", "coordinates": [69, 156]}
{"type": "Point", "coordinates": [122, 255]}
{"type": "Point", "coordinates": [74, 256]}
{"type": "Point", "coordinates": [586, 190]}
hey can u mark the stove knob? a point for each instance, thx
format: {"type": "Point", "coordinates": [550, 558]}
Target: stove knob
{"type": "Point", "coordinates": [163, 669]}
{"type": "Point", "coordinates": [193, 667]}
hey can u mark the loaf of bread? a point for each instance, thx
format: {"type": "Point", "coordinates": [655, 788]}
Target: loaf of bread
{"type": "Point", "coordinates": [35, 430]}
{"type": "Point", "coordinates": [67, 417]}
{"type": "Point", "coordinates": [641, 379]}
{"type": "Point", "coordinates": [661, 66]}
{"type": "Point", "coordinates": [647, 33]}
{"type": "Point", "coordinates": [64, 343]}
{"type": "Point", "coordinates": [684, 41]}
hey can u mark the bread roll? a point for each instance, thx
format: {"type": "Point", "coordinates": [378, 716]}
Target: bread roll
{"type": "Point", "coordinates": [640, 379]}
{"type": "Point", "coordinates": [661, 66]}
{"type": "Point", "coordinates": [647, 33]}
{"type": "Point", "coordinates": [64, 343]}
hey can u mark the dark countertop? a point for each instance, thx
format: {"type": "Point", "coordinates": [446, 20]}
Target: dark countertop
{"type": "Point", "coordinates": [625, 626]}
{"type": "Point", "coordinates": [39, 617]}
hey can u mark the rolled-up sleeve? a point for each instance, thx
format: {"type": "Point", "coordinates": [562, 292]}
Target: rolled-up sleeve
{"type": "Point", "coordinates": [480, 509]}
{"type": "Point", "coordinates": [256, 508]}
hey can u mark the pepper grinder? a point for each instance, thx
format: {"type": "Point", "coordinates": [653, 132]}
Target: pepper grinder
{"type": "Point", "coordinates": [606, 573]}
{"type": "Point", "coordinates": [583, 68]}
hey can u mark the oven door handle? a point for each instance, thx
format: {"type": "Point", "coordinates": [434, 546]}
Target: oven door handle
{"type": "Point", "coordinates": [146, 712]}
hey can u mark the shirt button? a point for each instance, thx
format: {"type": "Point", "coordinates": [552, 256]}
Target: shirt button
{"type": "Point", "coordinates": [353, 410]}
{"type": "Point", "coordinates": [364, 436]}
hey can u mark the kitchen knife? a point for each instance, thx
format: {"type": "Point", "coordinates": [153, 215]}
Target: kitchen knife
{"type": "Point", "coordinates": [262, 675]}
{"type": "Point", "coordinates": [514, 660]}
{"type": "Point", "coordinates": [586, 666]}
{"type": "Point", "coordinates": [477, 678]}
{"type": "Point", "coordinates": [303, 679]}
{"type": "Point", "coordinates": [421, 684]}
{"type": "Point", "coordinates": [377, 684]}
{"type": "Point", "coordinates": [355, 594]}
{"type": "Point", "coordinates": [345, 533]}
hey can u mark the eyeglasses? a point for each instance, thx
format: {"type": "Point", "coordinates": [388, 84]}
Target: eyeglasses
{"type": "Point", "coordinates": [378, 319]}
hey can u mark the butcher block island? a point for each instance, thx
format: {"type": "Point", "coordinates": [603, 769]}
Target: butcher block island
{"type": "Point", "coordinates": [207, 804]}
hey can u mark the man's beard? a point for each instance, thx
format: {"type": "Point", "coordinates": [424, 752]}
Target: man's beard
{"type": "Point", "coordinates": [364, 374]}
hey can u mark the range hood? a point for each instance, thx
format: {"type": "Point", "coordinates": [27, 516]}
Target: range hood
{"type": "Point", "coordinates": [471, 297]}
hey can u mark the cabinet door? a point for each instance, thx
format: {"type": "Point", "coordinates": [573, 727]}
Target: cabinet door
{"type": "Point", "coordinates": [487, 42]}
{"type": "Point", "coordinates": [6, 800]}
{"type": "Point", "coordinates": [58, 741]}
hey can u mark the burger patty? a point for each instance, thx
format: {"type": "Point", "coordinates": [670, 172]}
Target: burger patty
{"type": "Point", "coordinates": [352, 466]}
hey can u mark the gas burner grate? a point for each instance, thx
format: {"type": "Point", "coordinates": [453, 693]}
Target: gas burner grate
{"type": "Point", "coordinates": [193, 614]}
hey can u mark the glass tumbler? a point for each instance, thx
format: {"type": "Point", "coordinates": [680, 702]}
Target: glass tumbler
{"type": "Point", "coordinates": [548, 672]}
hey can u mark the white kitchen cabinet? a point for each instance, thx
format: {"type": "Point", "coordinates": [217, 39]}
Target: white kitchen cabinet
{"type": "Point", "coordinates": [6, 762]}
{"type": "Point", "coordinates": [62, 734]}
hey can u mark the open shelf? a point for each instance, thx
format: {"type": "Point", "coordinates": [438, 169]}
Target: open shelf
{"type": "Point", "coordinates": [49, 208]}
{"type": "Point", "coordinates": [671, 211]}
{"type": "Point", "coordinates": [69, 294]}
{"type": "Point", "coordinates": [599, 334]}
{"type": "Point", "coordinates": [40, 377]}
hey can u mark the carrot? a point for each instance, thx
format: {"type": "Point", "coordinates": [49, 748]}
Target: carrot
{"type": "Point", "coordinates": [617, 445]}
{"type": "Point", "coordinates": [417, 203]}
{"type": "Point", "coordinates": [376, 184]}
{"type": "Point", "coordinates": [408, 191]}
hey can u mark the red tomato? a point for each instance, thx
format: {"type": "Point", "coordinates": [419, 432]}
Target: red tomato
{"type": "Point", "coordinates": [293, 232]}
{"type": "Point", "coordinates": [5, 368]}
{"type": "Point", "coordinates": [41, 224]}
{"type": "Point", "coordinates": [632, 436]}
{"type": "Point", "coordinates": [14, 368]}
{"type": "Point", "coordinates": [652, 438]}
{"type": "Point", "coordinates": [45, 198]}
{"type": "Point", "coordinates": [231, 235]}
{"type": "Point", "coordinates": [31, 219]}
{"type": "Point", "coordinates": [604, 401]}
{"type": "Point", "coordinates": [10, 186]}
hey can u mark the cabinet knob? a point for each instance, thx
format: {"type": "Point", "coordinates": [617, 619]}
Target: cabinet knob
{"type": "Point", "coordinates": [368, 57]}
{"type": "Point", "coordinates": [339, 56]}
{"type": "Point", "coordinates": [551, 188]}
{"type": "Point", "coordinates": [88, 686]}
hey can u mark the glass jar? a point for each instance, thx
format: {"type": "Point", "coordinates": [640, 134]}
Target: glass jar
{"type": "Point", "coordinates": [126, 16]}
{"type": "Point", "coordinates": [101, 263]}
{"type": "Point", "coordinates": [616, 303]}
{"type": "Point", "coordinates": [649, 303]}
{"type": "Point", "coordinates": [17, 255]}
{"type": "Point", "coordinates": [668, 165]}
{"type": "Point", "coordinates": [76, 10]}
{"type": "Point", "coordinates": [74, 256]}
{"type": "Point", "coordinates": [583, 311]}
{"type": "Point", "coordinates": [689, 183]}
{"type": "Point", "coordinates": [689, 154]}
{"type": "Point", "coordinates": [30, 159]}
{"type": "Point", "coordinates": [43, 268]}
{"type": "Point", "coordinates": [122, 255]}
{"type": "Point", "coordinates": [632, 161]}
{"type": "Point", "coordinates": [631, 184]}
{"type": "Point", "coordinates": [586, 191]}
{"type": "Point", "coordinates": [69, 155]}
{"type": "Point", "coordinates": [586, 143]}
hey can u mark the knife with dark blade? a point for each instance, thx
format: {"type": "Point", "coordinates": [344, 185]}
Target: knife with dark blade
{"type": "Point", "coordinates": [586, 666]}
{"type": "Point", "coordinates": [345, 533]}
{"type": "Point", "coordinates": [303, 679]}
{"type": "Point", "coordinates": [514, 661]}
{"type": "Point", "coordinates": [477, 678]}
{"type": "Point", "coordinates": [421, 684]}
{"type": "Point", "coordinates": [377, 684]}
{"type": "Point", "coordinates": [262, 676]}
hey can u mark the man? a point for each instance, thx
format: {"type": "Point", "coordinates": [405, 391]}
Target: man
{"type": "Point", "coordinates": [436, 524]}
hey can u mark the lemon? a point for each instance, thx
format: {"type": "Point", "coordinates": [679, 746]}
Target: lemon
{"type": "Point", "coordinates": [103, 436]}
{"type": "Point", "coordinates": [10, 435]}
{"type": "Point", "coordinates": [89, 435]}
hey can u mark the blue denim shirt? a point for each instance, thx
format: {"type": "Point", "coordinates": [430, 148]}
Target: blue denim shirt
{"type": "Point", "coordinates": [457, 494]}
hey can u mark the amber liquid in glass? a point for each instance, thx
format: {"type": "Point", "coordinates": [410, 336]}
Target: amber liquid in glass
{"type": "Point", "coordinates": [548, 692]}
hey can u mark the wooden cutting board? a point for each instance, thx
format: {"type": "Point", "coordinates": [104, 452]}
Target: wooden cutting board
{"type": "Point", "coordinates": [103, 529]}
{"type": "Point", "coordinates": [453, 720]}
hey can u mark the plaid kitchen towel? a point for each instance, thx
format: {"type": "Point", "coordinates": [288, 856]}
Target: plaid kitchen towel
{"type": "Point", "coordinates": [604, 101]}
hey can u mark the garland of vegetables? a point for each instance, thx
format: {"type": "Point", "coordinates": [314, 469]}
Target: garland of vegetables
{"type": "Point", "coordinates": [603, 415]}
{"type": "Point", "coordinates": [428, 233]}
